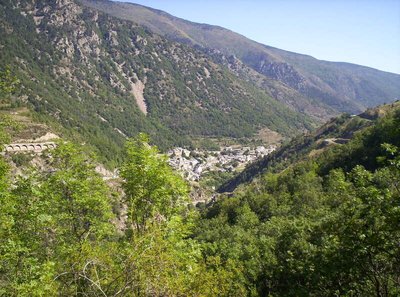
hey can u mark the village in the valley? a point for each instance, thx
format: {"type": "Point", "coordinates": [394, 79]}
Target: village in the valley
{"type": "Point", "coordinates": [193, 164]}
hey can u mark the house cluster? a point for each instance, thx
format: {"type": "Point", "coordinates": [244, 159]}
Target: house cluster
{"type": "Point", "coordinates": [193, 164]}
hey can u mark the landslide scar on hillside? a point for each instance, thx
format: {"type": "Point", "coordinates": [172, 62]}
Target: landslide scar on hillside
{"type": "Point", "coordinates": [137, 91]}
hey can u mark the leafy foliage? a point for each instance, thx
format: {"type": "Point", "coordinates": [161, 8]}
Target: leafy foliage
{"type": "Point", "coordinates": [325, 226]}
{"type": "Point", "coordinates": [314, 144]}
{"type": "Point", "coordinates": [151, 187]}
{"type": "Point", "coordinates": [59, 236]}
{"type": "Point", "coordinates": [8, 82]}
{"type": "Point", "coordinates": [319, 228]}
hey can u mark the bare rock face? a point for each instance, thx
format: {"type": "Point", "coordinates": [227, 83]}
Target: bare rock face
{"type": "Point", "coordinates": [112, 37]}
{"type": "Point", "coordinates": [138, 92]}
{"type": "Point", "coordinates": [63, 14]}
{"type": "Point", "coordinates": [283, 72]}
{"type": "Point", "coordinates": [85, 43]}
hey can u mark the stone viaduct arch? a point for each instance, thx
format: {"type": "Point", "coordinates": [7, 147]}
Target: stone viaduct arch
{"type": "Point", "coordinates": [28, 147]}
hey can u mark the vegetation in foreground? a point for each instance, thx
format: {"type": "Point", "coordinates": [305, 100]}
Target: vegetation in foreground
{"type": "Point", "coordinates": [325, 226]}
{"type": "Point", "coordinates": [328, 227]}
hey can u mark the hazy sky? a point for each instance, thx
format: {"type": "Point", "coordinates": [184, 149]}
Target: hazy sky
{"type": "Point", "coordinates": [365, 32]}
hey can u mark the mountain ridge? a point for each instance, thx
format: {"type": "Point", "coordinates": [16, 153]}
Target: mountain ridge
{"type": "Point", "coordinates": [318, 80]}
{"type": "Point", "coordinates": [85, 69]}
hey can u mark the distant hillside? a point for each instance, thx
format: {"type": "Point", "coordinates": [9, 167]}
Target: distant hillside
{"type": "Point", "coordinates": [107, 79]}
{"type": "Point", "coordinates": [318, 88]}
{"type": "Point", "coordinates": [326, 224]}
{"type": "Point", "coordinates": [336, 132]}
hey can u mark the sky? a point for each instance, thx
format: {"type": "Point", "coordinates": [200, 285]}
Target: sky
{"type": "Point", "coordinates": [365, 32]}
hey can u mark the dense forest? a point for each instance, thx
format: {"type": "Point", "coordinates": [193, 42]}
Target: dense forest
{"type": "Point", "coordinates": [327, 225]}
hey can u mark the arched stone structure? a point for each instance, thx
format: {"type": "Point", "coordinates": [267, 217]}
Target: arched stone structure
{"type": "Point", "coordinates": [28, 147]}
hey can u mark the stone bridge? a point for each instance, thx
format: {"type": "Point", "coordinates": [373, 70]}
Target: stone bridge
{"type": "Point", "coordinates": [28, 147]}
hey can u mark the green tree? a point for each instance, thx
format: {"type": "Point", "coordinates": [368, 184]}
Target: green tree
{"type": "Point", "coordinates": [8, 208]}
{"type": "Point", "coordinates": [81, 214]}
{"type": "Point", "coordinates": [160, 258]}
{"type": "Point", "coordinates": [153, 190]}
{"type": "Point", "coordinates": [58, 239]}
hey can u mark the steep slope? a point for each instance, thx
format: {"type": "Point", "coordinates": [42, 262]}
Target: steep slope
{"type": "Point", "coordinates": [342, 87]}
{"type": "Point", "coordinates": [336, 132]}
{"type": "Point", "coordinates": [106, 79]}
{"type": "Point", "coordinates": [326, 225]}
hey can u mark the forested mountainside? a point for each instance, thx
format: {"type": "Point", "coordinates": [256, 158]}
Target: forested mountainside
{"type": "Point", "coordinates": [328, 224]}
{"type": "Point", "coordinates": [327, 138]}
{"type": "Point", "coordinates": [318, 217]}
{"type": "Point", "coordinates": [319, 88]}
{"type": "Point", "coordinates": [103, 79]}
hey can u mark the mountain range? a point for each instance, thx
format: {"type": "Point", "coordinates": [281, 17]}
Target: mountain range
{"type": "Point", "coordinates": [102, 71]}
{"type": "Point", "coordinates": [319, 88]}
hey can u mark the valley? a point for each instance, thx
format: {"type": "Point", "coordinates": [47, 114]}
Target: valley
{"type": "Point", "coordinates": [101, 79]}
{"type": "Point", "coordinates": [142, 154]}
